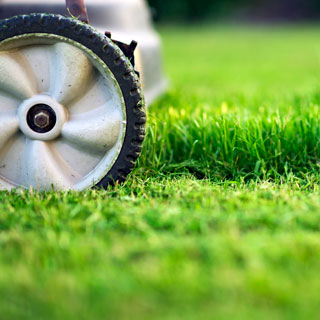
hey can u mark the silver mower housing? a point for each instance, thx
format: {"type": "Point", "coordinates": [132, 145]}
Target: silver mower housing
{"type": "Point", "coordinates": [127, 20]}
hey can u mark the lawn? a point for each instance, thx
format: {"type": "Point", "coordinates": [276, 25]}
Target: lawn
{"type": "Point", "coordinates": [220, 219]}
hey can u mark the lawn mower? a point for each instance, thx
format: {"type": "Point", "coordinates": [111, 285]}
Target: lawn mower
{"type": "Point", "coordinates": [72, 111]}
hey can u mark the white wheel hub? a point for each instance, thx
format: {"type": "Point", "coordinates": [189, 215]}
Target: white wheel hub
{"type": "Point", "coordinates": [45, 132]}
{"type": "Point", "coordinates": [62, 114]}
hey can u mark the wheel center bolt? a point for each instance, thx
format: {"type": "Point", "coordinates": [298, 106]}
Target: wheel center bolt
{"type": "Point", "coordinates": [42, 119]}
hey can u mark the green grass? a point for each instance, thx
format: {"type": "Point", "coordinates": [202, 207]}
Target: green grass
{"type": "Point", "coordinates": [221, 218]}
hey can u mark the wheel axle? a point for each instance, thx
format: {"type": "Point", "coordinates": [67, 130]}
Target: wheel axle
{"type": "Point", "coordinates": [41, 118]}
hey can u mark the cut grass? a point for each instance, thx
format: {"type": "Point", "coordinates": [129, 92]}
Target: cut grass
{"type": "Point", "coordinates": [221, 217]}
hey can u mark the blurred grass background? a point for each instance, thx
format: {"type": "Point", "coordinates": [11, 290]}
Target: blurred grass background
{"type": "Point", "coordinates": [250, 10]}
{"type": "Point", "coordinates": [220, 62]}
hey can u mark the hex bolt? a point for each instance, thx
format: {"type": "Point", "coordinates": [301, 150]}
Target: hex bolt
{"type": "Point", "coordinates": [42, 119]}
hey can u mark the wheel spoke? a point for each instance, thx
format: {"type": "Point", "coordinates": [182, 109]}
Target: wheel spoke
{"type": "Point", "coordinates": [8, 103]}
{"type": "Point", "coordinates": [96, 96]}
{"type": "Point", "coordinates": [82, 161]}
{"type": "Point", "coordinates": [14, 78]}
{"type": "Point", "coordinates": [39, 60]}
{"type": "Point", "coordinates": [10, 159]}
{"type": "Point", "coordinates": [43, 168]}
{"type": "Point", "coordinates": [97, 131]}
{"type": "Point", "coordinates": [4, 185]}
{"type": "Point", "coordinates": [72, 71]}
{"type": "Point", "coordinates": [9, 125]}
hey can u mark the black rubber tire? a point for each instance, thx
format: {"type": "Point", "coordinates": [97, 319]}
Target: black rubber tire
{"type": "Point", "coordinates": [116, 61]}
